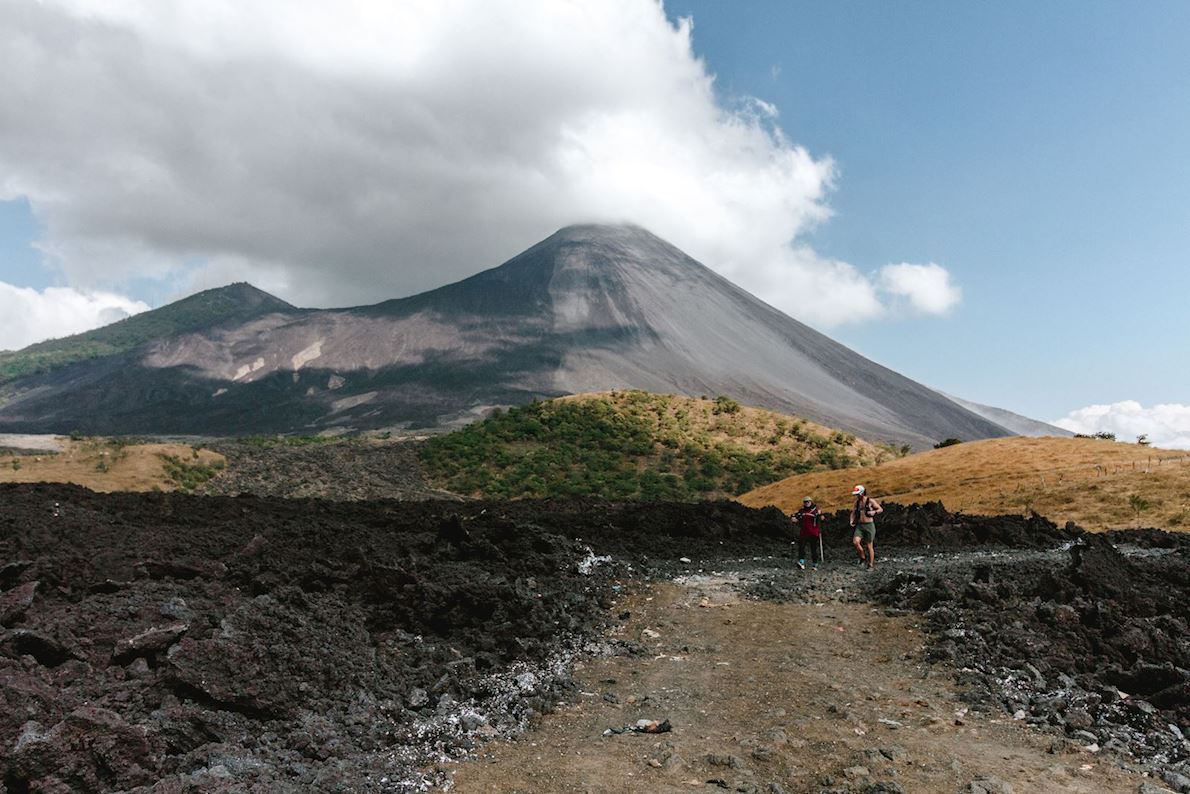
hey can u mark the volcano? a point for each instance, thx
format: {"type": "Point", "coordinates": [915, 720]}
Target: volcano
{"type": "Point", "coordinates": [591, 308]}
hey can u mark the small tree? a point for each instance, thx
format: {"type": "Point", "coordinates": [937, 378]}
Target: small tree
{"type": "Point", "coordinates": [1143, 439]}
{"type": "Point", "coordinates": [1138, 504]}
{"type": "Point", "coordinates": [948, 442]}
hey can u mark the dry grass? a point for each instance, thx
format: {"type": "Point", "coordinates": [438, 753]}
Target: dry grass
{"type": "Point", "coordinates": [105, 465]}
{"type": "Point", "coordinates": [1087, 481]}
{"type": "Point", "coordinates": [752, 429]}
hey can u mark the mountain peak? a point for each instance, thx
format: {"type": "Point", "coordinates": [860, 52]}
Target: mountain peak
{"type": "Point", "coordinates": [627, 236]}
{"type": "Point", "coordinates": [240, 294]}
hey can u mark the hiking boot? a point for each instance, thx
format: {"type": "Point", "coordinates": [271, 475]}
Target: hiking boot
{"type": "Point", "coordinates": [801, 564]}
{"type": "Point", "coordinates": [814, 567]}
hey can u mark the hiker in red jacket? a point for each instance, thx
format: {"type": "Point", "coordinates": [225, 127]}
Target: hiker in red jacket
{"type": "Point", "coordinates": [809, 520]}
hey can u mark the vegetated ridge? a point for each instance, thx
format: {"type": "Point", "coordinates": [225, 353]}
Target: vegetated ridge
{"type": "Point", "coordinates": [591, 308]}
{"type": "Point", "coordinates": [201, 311]}
{"type": "Point", "coordinates": [1097, 484]}
{"type": "Point", "coordinates": [636, 445]}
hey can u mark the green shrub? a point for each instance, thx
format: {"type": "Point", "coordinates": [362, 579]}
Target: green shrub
{"type": "Point", "coordinates": [726, 405]}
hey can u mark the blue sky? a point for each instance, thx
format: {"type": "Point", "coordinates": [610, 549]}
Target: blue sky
{"type": "Point", "coordinates": [1039, 151]}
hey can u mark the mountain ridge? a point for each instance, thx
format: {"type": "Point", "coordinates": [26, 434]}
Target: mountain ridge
{"type": "Point", "coordinates": [590, 308]}
{"type": "Point", "coordinates": [204, 309]}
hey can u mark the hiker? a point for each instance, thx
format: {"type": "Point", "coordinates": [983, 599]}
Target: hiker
{"type": "Point", "coordinates": [863, 517]}
{"type": "Point", "coordinates": [809, 519]}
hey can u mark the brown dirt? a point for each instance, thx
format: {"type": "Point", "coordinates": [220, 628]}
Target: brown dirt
{"type": "Point", "coordinates": [1087, 481]}
{"type": "Point", "coordinates": [786, 697]}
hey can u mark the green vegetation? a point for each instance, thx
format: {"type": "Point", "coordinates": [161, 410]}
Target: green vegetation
{"type": "Point", "coordinates": [948, 442]}
{"type": "Point", "coordinates": [634, 445]}
{"type": "Point", "coordinates": [1138, 504]}
{"type": "Point", "coordinates": [1101, 435]}
{"type": "Point", "coordinates": [189, 475]}
{"type": "Point", "coordinates": [198, 311]}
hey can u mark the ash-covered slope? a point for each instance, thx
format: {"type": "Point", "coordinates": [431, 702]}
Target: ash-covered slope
{"type": "Point", "coordinates": [1013, 422]}
{"type": "Point", "coordinates": [590, 308]}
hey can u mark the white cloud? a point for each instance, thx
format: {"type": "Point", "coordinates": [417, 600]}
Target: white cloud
{"type": "Point", "coordinates": [1167, 425]}
{"type": "Point", "coordinates": [928, 288]}
{"type": "Point", "coordinates": [339, 153]}
{"type": "Point", "coordinates": [28, 316]}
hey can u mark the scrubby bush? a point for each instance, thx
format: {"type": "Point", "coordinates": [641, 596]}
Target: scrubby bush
{"type": "Point", "coordinates": [948, 442]}
{"type": "Point", "coordinates": [726, 405]}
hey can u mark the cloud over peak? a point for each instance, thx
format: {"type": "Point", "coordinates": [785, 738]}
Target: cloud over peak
{"type": "Point", "coordinates": [336, 153]}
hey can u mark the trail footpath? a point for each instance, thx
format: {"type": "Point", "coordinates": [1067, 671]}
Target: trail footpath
{"type": "Point", "coordinates": [817, 695]}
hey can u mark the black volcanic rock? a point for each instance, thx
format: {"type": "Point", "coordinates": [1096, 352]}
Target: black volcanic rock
{"type": "Point", "coordinates": [590, 308]}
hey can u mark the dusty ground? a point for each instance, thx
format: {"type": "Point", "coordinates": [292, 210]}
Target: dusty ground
{"type": "Point", "coordinates": [1084, 480]}
{"type": "Point", "coordinates": [797, 697]}
{"type": "Point", "coordinates": [18, 443]}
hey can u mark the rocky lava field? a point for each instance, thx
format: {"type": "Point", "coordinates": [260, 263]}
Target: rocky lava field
{"type": "Point", "coordinates": [170, 643]}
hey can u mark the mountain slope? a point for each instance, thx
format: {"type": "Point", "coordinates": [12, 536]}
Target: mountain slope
{"type": "Point", "coordinates": [203, 310]}
{"type": "Point", "coordinates": [1017, 424]}
{"type": "Point", "coordinates": [590, 308]}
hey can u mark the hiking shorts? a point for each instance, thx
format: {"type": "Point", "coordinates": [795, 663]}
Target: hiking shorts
{"type": "Point", "coordinates": [866, 532]}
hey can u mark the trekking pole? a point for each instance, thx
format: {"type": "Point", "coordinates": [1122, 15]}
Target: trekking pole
{"type": "Point", "coordinates": [821, 556]}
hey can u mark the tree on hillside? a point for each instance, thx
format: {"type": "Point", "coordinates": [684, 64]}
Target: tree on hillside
{"type": "Point", "coordinates": [1138, 504]}
{"type": "Point", "coordinates": [948, 442]}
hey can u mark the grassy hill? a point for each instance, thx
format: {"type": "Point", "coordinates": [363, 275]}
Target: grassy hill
{"type": "Point", "coordinates": [1095, 483]}
{"type": "Point", "coordinates": [115, 465]}
{"type": "Point", "coordinates": [635, 445]}
{"type": "Point", "coordinates": [202, 310]}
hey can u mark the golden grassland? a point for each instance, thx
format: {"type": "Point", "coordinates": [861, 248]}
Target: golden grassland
{"type": "Point", "coordinates": [1095, 483]}
{"type": "Point", "coordinates": [113, 465]}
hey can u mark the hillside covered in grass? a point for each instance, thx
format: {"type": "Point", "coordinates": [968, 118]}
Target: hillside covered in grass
{"type": "Point", "coordinates": [635, 445]}
{"type": "Point", "coordinates": [1096, 483]}
{"type": "Point", "coordinates": [115, 464]}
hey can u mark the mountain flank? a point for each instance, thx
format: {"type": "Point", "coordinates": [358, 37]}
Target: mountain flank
{"type": "Point", "coordinates": [591, 308]}
{"type": "Point", "coordinates": [1014, 422]}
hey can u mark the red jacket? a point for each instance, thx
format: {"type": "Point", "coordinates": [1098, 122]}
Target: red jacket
{"type": "Point", "coordinates": [809, 519]}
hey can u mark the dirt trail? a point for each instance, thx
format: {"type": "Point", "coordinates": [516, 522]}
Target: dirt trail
{"type": "Point", "coordinates": [768, 697]}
